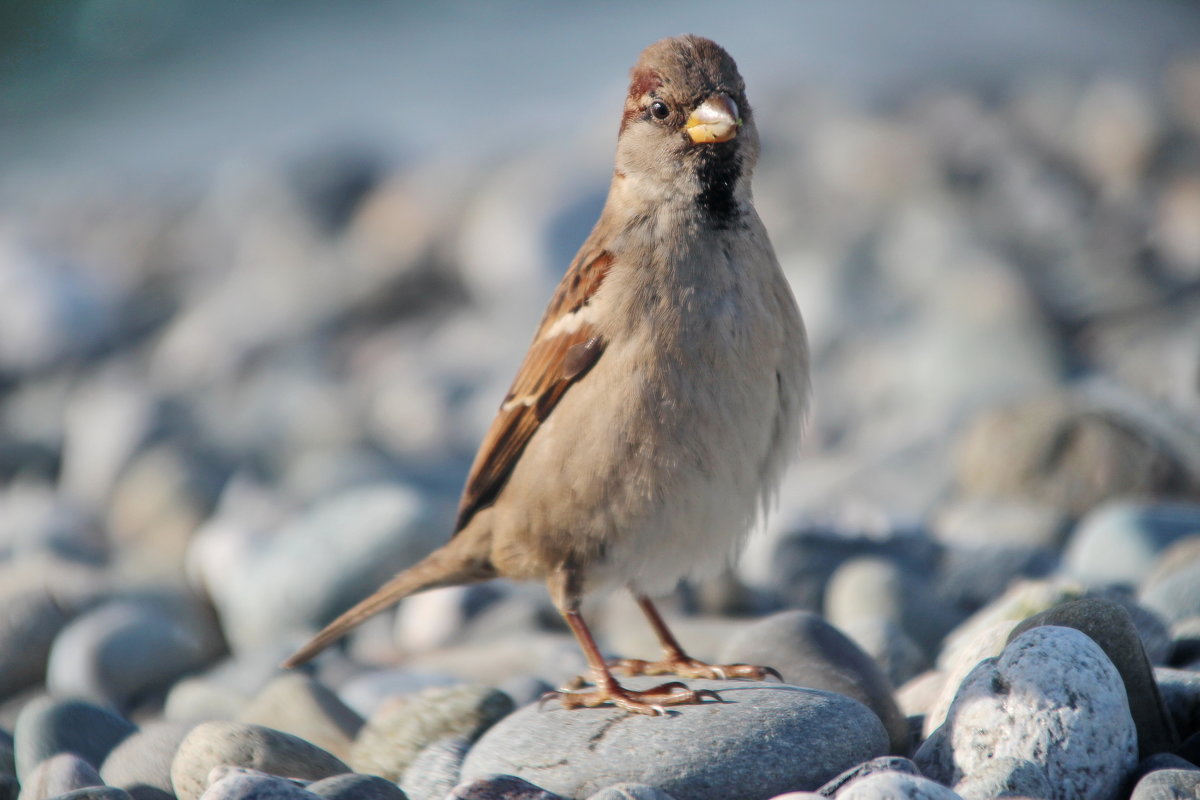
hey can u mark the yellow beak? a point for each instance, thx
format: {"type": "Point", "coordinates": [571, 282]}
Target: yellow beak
{"type": "Point", "coordinates": [714, 120]}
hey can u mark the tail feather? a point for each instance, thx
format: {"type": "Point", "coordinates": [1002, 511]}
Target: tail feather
{"type": "Point", "coordinates": [447, 566]}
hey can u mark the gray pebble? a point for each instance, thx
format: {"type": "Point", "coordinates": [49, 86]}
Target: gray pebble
{"type": "Point", "coordinates": [1005, 777]}
{"type": "Point", "coordinates": [47, 726]}
{"type": "Point", "coordinates": [630, 791]}
{"type": "Point", "coordinates": [872, 767]}
{"type": "Point", "coordinates": [211, 744]}
{"type": "Point", "coordinates": [500, 787]}
{"type": "Point", "coordinates": [395, 734]}
{"type": "Point", "coordinates": [297, 704]}
{"type": "Point", "coordinates": [1119, 543]}
{"type": "Point", "coordinates": [95, 793]}
{"type": "Point", "coordinates": [353, 786]}
{"type": "Point", "coordinates": [236, 786]}
{"type": "Point", "coordinates": [896, 786]}
{"type": "Point", "coordinates": [763, 739]}
{"type": "Point", "coordinates": [810, 652]}
{"type": "Point", "coordinates": [1109, 625]}
{"type": "Point", "coordinates": [436, 770]}
{"type": "Point", "coordinates": [1168, 784]}
{"type": "Point", "coordinates": [59, 774]}
{"type": "Point", "coordinates": [900, 658]}
{"type": "Point", "coordinates": [1180, 689]}
{"type": "Point", "coordinates": [1172, 589]}
{"type": "Point", "coordinates": [141, 765]}
{"type": "Point", "coordinates": [366, 693]}
{"type": "Point", "coordinates": [1052, 698]}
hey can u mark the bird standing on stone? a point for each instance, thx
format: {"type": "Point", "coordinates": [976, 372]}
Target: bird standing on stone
{"type": "Point", "coordinates": [661, 397]}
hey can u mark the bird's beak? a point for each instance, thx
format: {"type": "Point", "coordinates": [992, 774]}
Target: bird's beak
{"type": "Point", "coordinates": [714, 120]}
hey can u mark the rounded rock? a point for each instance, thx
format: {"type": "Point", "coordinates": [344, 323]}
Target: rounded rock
{"type": "Point", "coordinates": [240, 786]}
{"type": "Point", "coordinates": [436, 770]}
{"type": "Point", "coordinates": [1005, 777]}
{"type": "Point", "coordinates": [500, 787]}
{"type": "Point", "coordinates": [630, 791]}
{"type": "Point", "coordinates": [353, 786]}
{"type": "Point", "coordinates": [896, 786]}
{"type": "Point", "coordinates": [1172, 589]}
{"type": "Point", "coordinates": [297, 704]}
{"type": "Point", "coordinates": [47, 726]}
{"type": "Point", "coordinates": [1119, 543]}
{"type": "Point", "coordinates": [59, 774]}
{"type": "Point", "coordinates": [872, 767]}
{"type": "Point", "coordinates": [761, 740]}
{"type": "Point", "coordinates": [810, 652]}
{"type": "Point", "coordinates": [1167, 784]}
{"type": "Point", "coordinates": [1051, 698]}
{"type": "Point", "coordinates": [141, 764]}
{"type": "Point", "coordinates": [212, 744]}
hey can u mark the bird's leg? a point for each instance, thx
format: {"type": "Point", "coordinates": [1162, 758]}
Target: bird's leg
{"type": "Point", "coordinates": [676, 662]}
{"type": "Point", "coordinates": [564, 591]}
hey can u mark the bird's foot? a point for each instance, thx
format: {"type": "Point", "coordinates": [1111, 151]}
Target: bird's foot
{"type": "Point", "coordinates": [649, 701]}
{"type": "Point", "coordinates": [687, 667]}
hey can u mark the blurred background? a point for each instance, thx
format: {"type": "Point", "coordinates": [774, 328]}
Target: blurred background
{"type": "Point", "coordinates": [267, 268]}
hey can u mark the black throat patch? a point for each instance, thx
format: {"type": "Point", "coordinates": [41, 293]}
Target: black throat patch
{"type": "Point", "coordinates": [719, 171]}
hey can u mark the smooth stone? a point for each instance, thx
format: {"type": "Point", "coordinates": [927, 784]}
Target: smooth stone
{"type": "Point", "coordinates": [95, 793]}
{"type": "Point", "coordinates": [59, 774]}
{"type": "Point", "coordinates": [367, 692]}
{"type": "Point", "coordinates": [353, 786]}
{"type": "Point", "coordinates": [1109, 625]}
{"type": "Point", "coordinates": [212, 744]}
{"type": "Point", "coordinates": [810, 652]}
{"type": "Point", "coordinates": [872, 767]}
{"type": "Point", "coordinates": [1172, 589]}
{"type": "Point", "coordinates": [235, 786]}
{"type": "Point", "coordinates": [761, 740]}
{"type": "Point", "coordinates": [900, 658]}
{"type": "Point", "coordinates": [1156, 762]}
{"type": "Point", "coordinates": [141, 764]}
{"type": "Point", "coordinates": [1180, 689]}
{"type": "Point", "coordinates": [974, 522]}
{"type": "Point", "coordinates": [436, 770]}
{"type": "Point", "coordinates": [395, 734]}
{"type": "Point", "coordinates": [500, 787]}
{"type": "Point", "coordinates": [896, 786]}
{"type": "Point", "coordinates": [295, 703]}
{"type": "Point", "coordinates": [200, 699]}
{"type": "Point", "coordinates": [1167, 784]}
{"type": "Point", "coordinates": [119, 652]}
{"type": "Point", "coordinates": [919, 694]}
{"type": "Point", "coordinates": [873, 588]}
{"type": "Point", "coordinates": [630, 791]}
{"type": "Point", "coordinates": [314, 566]}
{"type": "Point", "coordinates": [1119, 543]}
{"type": "Point", "coordinates": [1051, 698]}
{"type": "Point", "coordinates": [971, 577]}
{"type": "Point", "coordinates": [47, 726]}
{"type": "Point", "coordinates": [1005, 777]}
{"type": "Point", "coordinates": [1185, 642]}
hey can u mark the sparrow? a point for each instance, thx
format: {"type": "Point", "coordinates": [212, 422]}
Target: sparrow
{"type": "Point", "coordinates": [661, 398]}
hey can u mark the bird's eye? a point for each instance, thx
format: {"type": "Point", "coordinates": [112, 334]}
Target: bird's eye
{"type": "Point", "coordinates": [659, 110]}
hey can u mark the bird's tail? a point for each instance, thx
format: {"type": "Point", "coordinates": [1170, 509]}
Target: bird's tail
{"type": "Point", "coordinates": [457, 562]}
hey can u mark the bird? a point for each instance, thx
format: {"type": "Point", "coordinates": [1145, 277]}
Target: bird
{"type": "Point", "coordinates": [662, 396]}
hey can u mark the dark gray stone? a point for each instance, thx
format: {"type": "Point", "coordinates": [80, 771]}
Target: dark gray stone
{"type": "Point", "coordinates": [761, 740]}
{"type": "Point", "coordinates": [1052, 698]}
{"type": "Point", "coordinates": [500, 787]}
{"type": "Point", "coordinates": [352, 786]}
{"type": "Point", "coordinates": [141, 764]}
{"type": "Point", "coordinates": [1109, 625]}
{"type": "Point", "coordinates": [875, 765]}
{"type": "Point", "coordinates": [47, 726]}
{"type": "Point", "coordinates": [810, 652]}
{"type": "Point", "coordinates": [213, 744]}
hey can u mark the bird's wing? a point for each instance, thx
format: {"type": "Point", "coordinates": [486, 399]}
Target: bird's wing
{"type": "Point", "coordinates": [564, 348]}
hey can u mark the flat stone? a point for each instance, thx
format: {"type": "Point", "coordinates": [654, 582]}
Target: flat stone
{"type": "Point", "coordinates": [1109, 625]}
{"type": "Point", "coordinates": [1052, 698]}
{"type": "Point", "coordinates": [212, 744]}
{"type": "Point", "coordinates": [47, 726]}
{"type": "Point", "coordinates": [810, 652]}
{"type": "Point", "coordinates": [762, 740]}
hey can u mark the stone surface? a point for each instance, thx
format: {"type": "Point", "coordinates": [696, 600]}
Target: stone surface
{"type": "Point", "coordinates": [810, 652]}
{"type": "Point", "coordinates": [1053, 699]}
{"type": "Point", "coordinates": [47, 726]}
{"type": "Point", "coordinates": [394, 736]}
{"type": "Point", "coordinates": [1120, 542]}
{"type": "Point", "coordinates": [95, 793]}
{"type": "Point", "coordinates": [436, 769]}
{"type": "Point", "coordinates": [630, 791]}
{"type": "Point", "coordinates": [872, 767]}
{"type": "Point", "coordinates": [900, 658]}
{"type": "Point", "coordinates": [1005, 777]}
{"type": "Point", "coordinates": [356, 787]}
{"type": "Point", "coordinates": [1172, 589]}
{"type": "Point", "coordinates": [1167, 784]}
{"type": "Point", "coordinates": [243, 786]}
{"type": "Point", "coordinates": [763, 739]}
{"type": "Point", "coordinates": [1110, 626]}
{"type": "Point", "coordinates": [1180, 691]}
{"type": "Point", "coordinates": [896, 786]}
{"type": "Point", "coordinates": [59, 774]}
{"type": "Point", "coordinates": [297, 704]}
{"type": "Point", "coordinates": [212, 744]}
{"type": "Point", "coordinates": [500, 787]}
{"type": "Point", "coordinates": [141, 764]}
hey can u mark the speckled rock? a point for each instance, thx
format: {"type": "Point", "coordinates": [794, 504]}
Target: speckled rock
{"type": "Point", "coordinates": [47, 726]}
{"type": "Point", "coordinates": [233, 784]}
{"type": "Point", "coordinates": [1109, 625]}
{"type": "Point", "coordinates": [1005, 777]}
{"type": "Point", "coordinates": [395, 734]}
{"type": "Point", "coordinates": [1052, 698]}
{"type": "Point", "coordinates": [141, 764]}
{"type": "Point", "coordinates": [212, 744]}
{"type": "Point", "coordinates": [630, 791]}
{"type": "Point", "coordinates": [1168, 784]}
{"type": "Point", "coordinates": [436, 769]}
{"type": "Point", "coordinates": [353, 786]}
{"type": "Point", "coordinates": [295, 703]}
{"type": "Point", "coordinates": [896, 786]}
{"type": "Point", "coordinates": [810, 652]}
{"type": "Point", "coordinates": [59, 774]}
{"type": "Point", "coordinates": [872, 767]}
{"type": "Point", "coordinates": [746, 745]}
